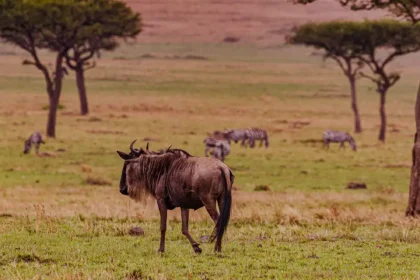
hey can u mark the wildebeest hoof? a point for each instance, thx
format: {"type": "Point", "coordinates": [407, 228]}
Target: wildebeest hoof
{"type": "Point", "coordinates": [161, 251]}
{"type": "Point", "coordinates": [197, 249]}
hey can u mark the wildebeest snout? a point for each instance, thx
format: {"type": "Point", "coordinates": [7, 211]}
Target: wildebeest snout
{"type": "Point", "coordinates": [124, 190]}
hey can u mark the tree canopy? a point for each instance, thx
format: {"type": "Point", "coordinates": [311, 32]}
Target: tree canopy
{"type": "Point", "coordinates": [404, 9]}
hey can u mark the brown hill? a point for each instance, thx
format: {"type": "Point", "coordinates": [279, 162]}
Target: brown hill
{"type": "Point", "coordinates": [263, 22]}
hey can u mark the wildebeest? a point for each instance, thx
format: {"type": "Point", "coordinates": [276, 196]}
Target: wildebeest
{"type": "Point", "coordinates": [36, 140]}
{"type": "Point", "coordinates": [341, 137]}
{"type": "Point", "coordinates": [176, 179]}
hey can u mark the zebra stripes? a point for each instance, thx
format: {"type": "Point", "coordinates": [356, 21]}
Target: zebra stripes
{"type": "Point", "coordinates": [330, 136]}
{"type": "Point", "coordinates": [221, 148]}
{"type": "Point", "coordinates": [248, 135]}
{"type": "Point", "coordinates": [255, 134]}
{"type": "Point", "coordinates": [36, 140]}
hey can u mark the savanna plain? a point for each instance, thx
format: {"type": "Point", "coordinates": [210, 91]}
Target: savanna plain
{"type": "Point", "coordinates": [62, 217]}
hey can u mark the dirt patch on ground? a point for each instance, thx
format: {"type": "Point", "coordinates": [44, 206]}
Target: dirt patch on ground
{"type": "Point", "coordinates": [264, 22]}
{"type": "Point", "coordinates": [105, 132]}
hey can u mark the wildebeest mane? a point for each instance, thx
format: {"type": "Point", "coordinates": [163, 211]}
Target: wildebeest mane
{"type": "Point", "coordinates": [179, 152]}
{"type": "Point", "coordinates": [152, 169]}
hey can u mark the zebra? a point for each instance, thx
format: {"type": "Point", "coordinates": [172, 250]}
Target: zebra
{"type": "Point", "coordinates": [249, 135]}
{"type": "Point", "coordinates": [330, 136]}
{"type": "Point", "coordinates": [36, 139]}
{"type": "Point", "coordinates": [257, 134]}
{"type": "Point", "coordinates": [221, 148]}
{"type": "Point", "coordinates": [236, 135]}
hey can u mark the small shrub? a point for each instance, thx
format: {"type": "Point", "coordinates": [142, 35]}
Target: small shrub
{"type": "Point", "coordinates": [59, 107]}
{"type": "Point", "coordinates": [230, 40]}
{"type": "Point", "coordinates": [97, 181]}
{"type": "Point", "coordinates": [86, 168]}
{"type": "Point", "coordinates": [136, 274]}
{"type": "Point", "coordinates": [262, 188]}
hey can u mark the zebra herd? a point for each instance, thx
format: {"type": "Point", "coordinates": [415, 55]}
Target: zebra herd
{"type": "Point", "coordinates": [220, 141]}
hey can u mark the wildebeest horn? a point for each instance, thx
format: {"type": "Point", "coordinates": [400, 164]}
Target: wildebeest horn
{"type": "Point", "coordinates": [147, 146]}
{"type": "Point", "coordinates": [169, 148]}
{"type": "Point", "coordinates": [131, 147]}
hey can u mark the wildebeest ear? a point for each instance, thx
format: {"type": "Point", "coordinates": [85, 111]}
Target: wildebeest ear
{"type": "Point", "coordinates": [123, 155]}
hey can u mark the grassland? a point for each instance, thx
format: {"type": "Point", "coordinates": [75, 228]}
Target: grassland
{"type": "Point", "coordinates": [56, 224]}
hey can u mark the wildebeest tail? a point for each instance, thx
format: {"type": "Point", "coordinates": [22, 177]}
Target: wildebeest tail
{"type": "Point", "coordinates": [224, 217]}
{"type": "Point", "coordinates": [267, 143]}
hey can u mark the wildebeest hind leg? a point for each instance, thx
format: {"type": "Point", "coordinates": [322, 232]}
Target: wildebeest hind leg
{"type": "Point", "coordinates": [163, 217]}
{"type": "Point", "coordinates": [185, 216]}
{"type": "Point", "coordinates": [210, 205]}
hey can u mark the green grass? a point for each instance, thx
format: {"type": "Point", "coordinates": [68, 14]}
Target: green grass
{"type": "Point", "coordinates": [307, 227]}
{"type": "Point", "coordinates": [101, 249]}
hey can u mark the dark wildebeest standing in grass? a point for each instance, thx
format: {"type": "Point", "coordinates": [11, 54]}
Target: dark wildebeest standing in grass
{"type": "Point", "coordinates": [36, 140]}
{"type": "Point", "coordinates": [176, 179]}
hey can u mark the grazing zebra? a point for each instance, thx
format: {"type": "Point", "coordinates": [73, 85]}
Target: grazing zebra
{"type": "Point", "coordinates": [257, 134]}
{"type": "Point", "coordinates": [330, 136]}
{"type": "Point", "coordinates": [236, 135]}
{"type": "Point", "coordinates": [221, 148]}
{"type": "Point", "coordinates": [36, 139]}
{"type": "Point", "coordinates": [248, 135]}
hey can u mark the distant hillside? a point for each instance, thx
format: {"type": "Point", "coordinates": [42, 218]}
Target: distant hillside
{"type": "Point", "coordinates": [263, 22]}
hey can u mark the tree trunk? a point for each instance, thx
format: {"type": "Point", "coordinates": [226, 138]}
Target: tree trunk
{"type": "Point", "coordinates": [413, 208]}
{"type": "Point", "coordinates": [54, 92]}
{"type": "Point", "coordinates": [52, 116]}
{"type": "Point", "coordinates": [80, 80]}
{"type": "Point", "coordinates": [357, 122]}
{"type": "Point", "coordinates": [382, 113]}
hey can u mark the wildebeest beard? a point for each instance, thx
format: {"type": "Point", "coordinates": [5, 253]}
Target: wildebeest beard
{"type": "Point", "coordinates": [123, 180]}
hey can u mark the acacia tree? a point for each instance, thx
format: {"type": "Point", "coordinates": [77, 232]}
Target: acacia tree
{"type": "Point", "coordinates": [336, 39]}
{"type": "Point", "coordinates": [42, 24]}
{"type": "Point", "coordinates": [111, 21]}
{"type": "Point", "coordinates": [366, 39]}
{"type": "Point", "coordinates": [399, 39]}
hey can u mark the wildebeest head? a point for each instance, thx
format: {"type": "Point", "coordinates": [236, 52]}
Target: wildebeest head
{"type": "Point", "coordinates": [128, 159]}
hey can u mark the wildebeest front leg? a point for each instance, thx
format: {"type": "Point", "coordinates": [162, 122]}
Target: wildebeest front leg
{"type": "Point", "coordinates": [185, 216]}
{"type": "Point", "coordinates": [206, 150]}
{"type": "Point", "coordinates": [37, 148]}
{"type": "Point", "coordinates": [163, 217]}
